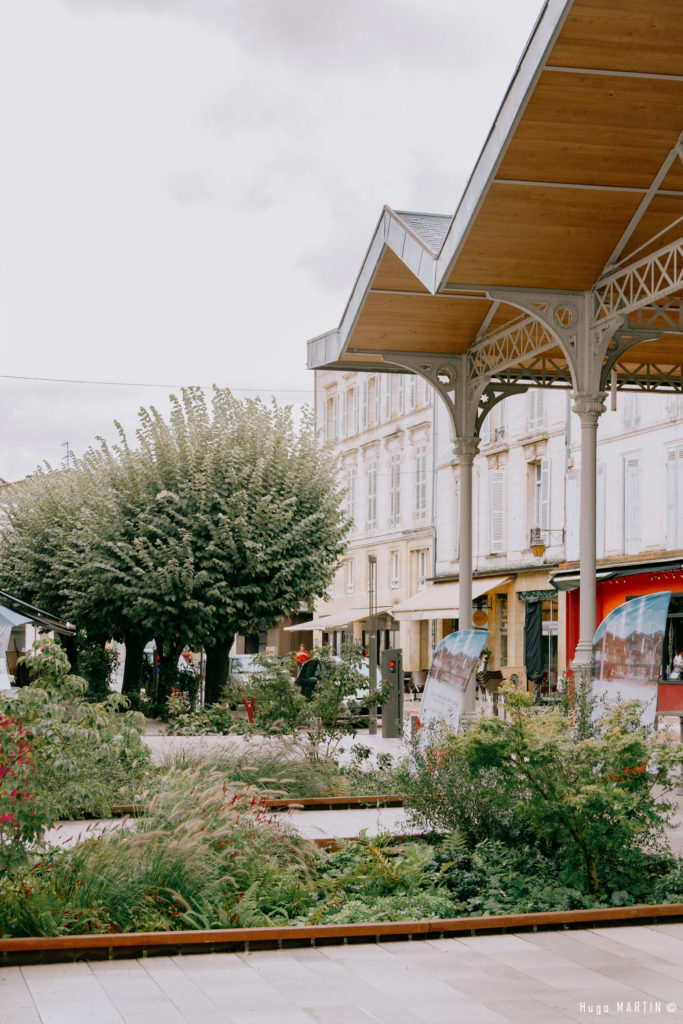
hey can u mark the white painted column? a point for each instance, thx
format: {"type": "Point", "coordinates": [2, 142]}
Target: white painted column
{"type": "Point", "coordinates": [588, 406]}
{"type": "Point", "coordinates": [465, 449]}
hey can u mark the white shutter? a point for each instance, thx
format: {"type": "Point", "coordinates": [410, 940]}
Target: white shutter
{"type": "Point", "coordinates": [335, 418]}
{"type": "Point", "coordinates": [671, 503]}
{"type": "Point", "coordinates": [600, 511]}
{"type": "Point", "coordinates": [344, 414]}
{"type": "Point", "coordinates": [456, 520]}
{"type": "Point", "coordinates": [535, 409]}
{"type": "Point", "coordinates": [354, 410]}
{"type": "Point", "coordinates": [632, 505]}
{"type": "Point", "coordinates": [386, 384]}
{"type": "Point", "coordinates": [378, 398]}
{"type": "Point", "coordinates": [497, 510]}
{"type": "Point", "coordinates": [572, 536]}
{"type": "Point", "coordinates": [485, 432]}
{"type": "Point", "coordinates": [364, 405]}
{"type": "Point", "coordinates": [401, 395]}
{"type": "Point", "coordinates": [412, 392]}
{"type": "Point", "coordinates": [679, 499]}
{"type": "Point", "coordinates": [544, 510]}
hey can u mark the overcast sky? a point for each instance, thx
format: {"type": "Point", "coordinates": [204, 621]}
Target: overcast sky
{"type": "Point", "coordinates": [188, 187]}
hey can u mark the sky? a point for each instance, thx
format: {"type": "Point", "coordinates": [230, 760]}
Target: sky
{"type": "Point", "coordinates": [188, 187]}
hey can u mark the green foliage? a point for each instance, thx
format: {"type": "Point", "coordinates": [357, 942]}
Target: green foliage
{"type": "Point", "coordinates": [81, 756]}
{"type": "Point", "coordinates": [96, 664]}
{"type": "Point", "coordinates": [221, 520]}
{"type": "Point", "coordinates": [205, 856]}
{"type": "Point", "coordinates": [596, 803]}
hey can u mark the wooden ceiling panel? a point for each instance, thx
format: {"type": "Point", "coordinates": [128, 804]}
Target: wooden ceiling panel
{"type": "Point", "coordinates": [405, 323]}
{"type": "Point", "coordinates": [665, 351]}
{"type": "Point", "coordinates": [543, 238]}
{"type": "Point", "coordinates": [633, 35]}
{"type": "Point", "coordinates": [395, 276]}
{"type": "Point", "coordinates": [658, 220]}
{"type": "Point", "coordinates": [595, 130]}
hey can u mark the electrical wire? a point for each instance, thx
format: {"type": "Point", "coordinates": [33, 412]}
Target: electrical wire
{"type": "Point", "coordinates": [132, 384]}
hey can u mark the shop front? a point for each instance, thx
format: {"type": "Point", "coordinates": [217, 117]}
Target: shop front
{"type": "Point", "coordinates": [618, 582]}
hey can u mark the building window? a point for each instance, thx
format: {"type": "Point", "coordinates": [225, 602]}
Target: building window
{"type": "Point", "coordinates": [386, 389]}
{"type": "Point", "coordinates": [412, 392]}
{"type": "Point", "coordinates": [372, 577]}
{"type": "Point", "coordinates": [536, 417]}
{"type": "Point", "coordinates": [541, 495]}
{"type": "Point", "coordinates": [401, 386]}
{"type": "Point", "coordinates": [674, 498]}
{"type": "Point", "coordinates": [497, 511]}
{"type": "Point", "coordinates": [500, 429]}
{"type": "Point", "coordinates": [632, 504]}
{"type": "Point", "coordinates": [349, 575]}
{"type": "Point", "coordinates": [421, 569]}
{"type": "Point", "coordinates": [456, 519]}
{"type": "Point", "coordinates": [377, 398]}
{"type": "Point", "coordinates": [395, 580]}
{"type": "Point", "coordinates": [630, 411]}
{"type": "Point", "coordinates": [351, 492]}
{"type": "Point", "coordinates": [395, 489]}
{"type": "Point", "coordinates": [502, 630]}
{"type": "Point", "coordinates": [332, 419]}
{"type": "Point", "coordinates": [485, 430]}
{"type": "Point", "coordinates": [352, 404]}
{"type": "Point", "coordinates": [426, 392]}
{"type": "Point", "coordinates": [372, 495]}
{"type": "Point", "coordinates": [600, 511]}
{"type": "Point", "coordinates": [344, 418]}
{"type": "Point", "coordinates": [421, 481]}
{"type": "Point", "coordinates": [365, 404]}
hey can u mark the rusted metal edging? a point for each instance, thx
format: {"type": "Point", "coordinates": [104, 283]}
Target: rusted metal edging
{"type": "Point", "coordinates": [135, 944]}
{"type": "Point", "coordinates": [309, 803]}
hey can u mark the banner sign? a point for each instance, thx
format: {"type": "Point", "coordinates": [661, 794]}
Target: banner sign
{"type": "Point", "coordinates": [627, 653]}
{"type": "Point", "coordinates": [453, 669]}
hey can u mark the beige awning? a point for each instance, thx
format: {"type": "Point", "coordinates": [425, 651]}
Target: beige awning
{"type": "Point", "coordinates": [442, 600]}
{"type": "Point", "coordinates": [336, 620]}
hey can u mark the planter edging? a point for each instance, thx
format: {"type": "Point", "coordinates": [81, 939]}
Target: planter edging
{"type": "Point", "coordinates": [54, 949]}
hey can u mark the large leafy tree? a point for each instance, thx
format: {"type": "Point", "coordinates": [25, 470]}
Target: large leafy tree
{"type": "Point", "coordinates": [222, 519]}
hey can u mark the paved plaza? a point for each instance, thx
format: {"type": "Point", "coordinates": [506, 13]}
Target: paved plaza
{"type": "Point", "coordinates": [616, 974]}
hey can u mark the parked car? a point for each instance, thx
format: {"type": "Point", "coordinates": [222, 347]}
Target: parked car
{"type": "Point", "coordinates": [242, 668]}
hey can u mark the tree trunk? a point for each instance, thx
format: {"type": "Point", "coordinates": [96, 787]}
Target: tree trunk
{"type": "Point", "coordinates": [168, 652]}
{"type": "Point", "coordinates": [217, 663]}
{"type": "Point", "coordinates": [69, 644]}
{"type": "Point", "coordinates": [132, 666]}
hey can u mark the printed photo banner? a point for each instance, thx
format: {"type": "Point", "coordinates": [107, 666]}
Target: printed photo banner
{"type": "Point", "coordinates": [453, 669]}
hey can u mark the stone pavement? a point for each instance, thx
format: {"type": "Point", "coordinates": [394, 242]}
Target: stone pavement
{"type": "Point", "coordinates": [616, 974]}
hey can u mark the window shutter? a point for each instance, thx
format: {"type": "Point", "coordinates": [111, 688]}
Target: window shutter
{"type": "Point", "coordinates": [344, 415]}
{"type": "Point", "coordinates": [485, 432]}
{"type": "Point", "coordinates": [401, 395]}
{"type": "Point", "coordinates": [632, 505]}
{"type": "Point", "coordinates": [364, 405]}
{"type": "Point", "coordinates": [378, 398]}
{"type": "Point", "coordinates": [456, 519]}
{"type": "Point", "coordinates": [600, 511]}
{"type": "Point", "coordinates": [545, 495]}
{"type": "Point", "coordinates": [497, 511]}
{"type": "Point", "coordinates": [679, 499]}
{"type": "Point", "coordinates": [671, 491]}
{"type": "Point", "coordinates": [335, 418]}
{"type": "Point", "coordinates": [572, 537]}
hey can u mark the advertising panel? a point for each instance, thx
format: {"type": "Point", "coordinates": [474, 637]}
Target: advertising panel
{"type": "Point", "coordinates": [453, 668]}
{"type": "Point", "coordinates": [627, 653]}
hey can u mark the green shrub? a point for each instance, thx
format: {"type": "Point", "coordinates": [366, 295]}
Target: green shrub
{"type": "Point", "coordinates": [83, 756]}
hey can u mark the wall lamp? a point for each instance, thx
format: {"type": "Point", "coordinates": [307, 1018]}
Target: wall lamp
{"type": "Point", "coordinates": [540, 539]}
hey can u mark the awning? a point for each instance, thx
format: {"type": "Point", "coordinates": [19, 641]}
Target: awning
{"type": "Point", "coordinates": [442, 600]}
{"type": "Point", "coordinates": [336, 620]}
{"type": "Point", "coordinates": [569, 579]}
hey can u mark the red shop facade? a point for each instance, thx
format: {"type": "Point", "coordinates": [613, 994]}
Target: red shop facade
{"type": "Point", "coordinates": [617, 583]}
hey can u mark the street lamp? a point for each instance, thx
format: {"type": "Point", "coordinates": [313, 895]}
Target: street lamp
{"type": "Point", "coordinates": [372, 643]}
{"type": "Point", "coordinates": [539, 540]}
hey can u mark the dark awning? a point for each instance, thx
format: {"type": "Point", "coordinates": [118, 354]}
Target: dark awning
{"type": "Point", "coordinates": [568, 579]}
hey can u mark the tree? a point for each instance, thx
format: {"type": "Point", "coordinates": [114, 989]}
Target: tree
{"type": "Point", "coordinates": [221, 520]}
